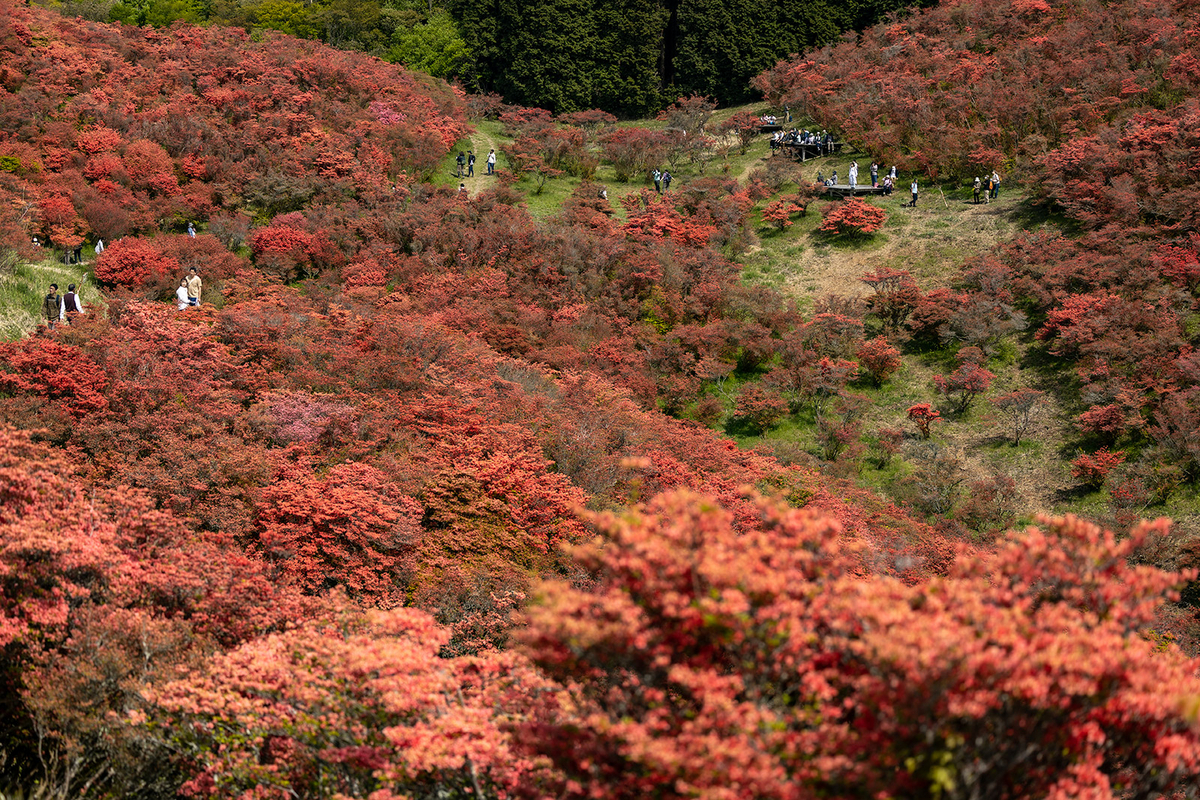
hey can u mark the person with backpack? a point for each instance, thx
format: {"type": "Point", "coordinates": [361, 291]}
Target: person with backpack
{"type": "Point", "coordinates": [51, 308]}
{"type": "Point", "coordinates": [471, 164]}
{"type": "Point", "coordinates": [459, 162]}
{"type": "Point", "coordinates": [657, 176]}
{"type": "Point", "coordinates": [666, 180]}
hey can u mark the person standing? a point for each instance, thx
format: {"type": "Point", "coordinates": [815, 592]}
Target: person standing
{"type": "Point", "coordinates": [69, 306]}
{"type": "Point", "coordinates": [995, 184]}
{"type": "Point", "coordinates": [99, 246]}
{"type": "Point", "coordinates": [491, 162]}
{"type": "Point", "coordinates": [193, 287]}
{"type": "Point", "coordinates": [51, 308]}
{"type": "Point", "coordinates": [893, 173]}
{"type": "Point", "coordinates": [181, 294]}
{"type": "Point", "coordinates": [459, 161]}
{"type": "Point", "coordinates": [987, 191]}
{"type": "Point", "coordinates": [666, 180]}
{"type": "Point", "coordinates": [914, 192]}
{"type": "Point", "coordinates": [853, 175]}
{"type": "Point", "coordinates": [191, 230]}
{"type": "Point", "coordinates": [471, 164]}
{"type": "Point", "coordinates": [874, 174]}
{"type": "Point", "coordinates": [657, 176]}
{"type": "Point", "coordinates": [978, 186]}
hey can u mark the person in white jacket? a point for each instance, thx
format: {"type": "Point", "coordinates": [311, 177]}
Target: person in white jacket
{"type": "Point", "coordinates": [181, 294]}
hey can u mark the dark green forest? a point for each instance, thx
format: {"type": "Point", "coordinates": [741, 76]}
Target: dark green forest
{"type": "Point", "coordinates": [629, 57]}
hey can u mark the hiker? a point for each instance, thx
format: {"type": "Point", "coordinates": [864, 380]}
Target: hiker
{"type": "Point", "coordinates": [995, 184]}
{"type": "Point", "coordinates": [491, 162]}
{"type": "Point", "coordinates": [459, 161]}
{"type": "Point", "coordinates": [69, 305]}
{"type": "Point", "coordinates": [657, 176]}
{"type": "Point", "coordinates": [874, 174]}
{"type": "Point", "coordinates": [181, 294]}
{"type": "Point", "coordinates": [914, 193]}
{"type": "Point", "coordinates": [666, 180]}
{"type": "Point", "coordinates": [853, 175]}
{"type": "Point", "coordinates": [99, 246]}
{"type": "Point", "coordinates": [191, 230]}
{"type": "Point", "coordinates": [193, 288]}
{"type": "Point", "coordinates": [470, 165]}
{"type": "Point", "coordinates": [978, 186]}
{"type": "Point", "coordinates": [51, 309]}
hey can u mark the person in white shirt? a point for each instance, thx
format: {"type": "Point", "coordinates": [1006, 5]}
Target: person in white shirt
{"type": "Point", "coordinates": [69, 305]}
{"type": "Point", "coordinates": [181, 294]}
{"type": "Point", "coordinates": [491, 162]}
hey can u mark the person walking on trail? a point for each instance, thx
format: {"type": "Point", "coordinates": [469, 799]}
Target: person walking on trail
{"type": "Point", "coordinates": [69, 307]}
{"type": "Point", "coordinates": [995, 184]}
{"type": "Point", "coordinates": [657, 176]}
{"type": "Point", "coordinates": [459, 162]}
{"type": "Point", "coordinates": [666, 180]}
{"type": "Point", "coordinates": [470, 165]}
{"type": "Point", "coordinates": [51, 307]}
{"type": "Point", "coordinates": [978, 186]}
{"type": "Point", "coordinates": [193, 288]}
{"type": "Point", "coordinates": [491, 162]}
{"type": "Point", "coordinates": [914, 193]}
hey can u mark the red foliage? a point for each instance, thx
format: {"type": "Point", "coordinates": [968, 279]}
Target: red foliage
{"type": "Point", "coordinates": [878, 358]}
{"type": "Point", "coordinates": [1093, 468]}
{"type": "Point", "coordinates": [348, 528]}
{"type": "Point", "coordinates": [779, 213]}
{"type": "Point", "coordinates": [763, 639]}
{"type": "Point", "coordinates": [851, 218]}
{"type": "Point", "coordinates": [134, 263]}
{"type": "Point", "coordinates": [923, 415]}
{"type": "Point", "coordinates": [760, 409]}
{"type": "Point", "coordinates": [964, 384]}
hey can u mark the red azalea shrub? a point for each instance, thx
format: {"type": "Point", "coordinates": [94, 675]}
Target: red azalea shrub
{"type": "Point", "coordinates": [923, 415]}
{"type": "Point", "coordinates": [878, 358]}
{"type": "Point", "coordinates": [1092, 468]}
{"type": "Point", "coordinates": [852, 219]}
{"type": "Point", "coordinates": [764, 638]}
{"type": "Point", "coordinates": [134, 263]}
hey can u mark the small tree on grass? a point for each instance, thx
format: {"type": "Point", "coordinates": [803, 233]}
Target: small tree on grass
{"type": "Point", "coordinates": [759, 409]}
{"type": "Point", "coordinates": [923, 415]}
{"type": "Point", "coordinates": [852, 219]}
{"type": "Point", "coordinates": [1092, 468]}
{"type": "Point", "coordinates": [967, 382]}
{"type": "Point", "coordinates": [780, 213]}
{"type": "Point", "coordinates": [1019, 407]}
{"type": "Point", "coordinates": [878, 358]}
{"type": "Point", "coordinates": [744, 125]}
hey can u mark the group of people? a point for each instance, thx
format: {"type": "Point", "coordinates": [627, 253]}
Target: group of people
{"type": "Point", "coordinates": [824, 140]}
{"type": "Point", "coordinates": [990, 189]}
{"type": "Point", "coordinates": [188, 292]}
{"type": "Point", "coordinates": [464, 164]}
{"type": "Point", "coordinates": [58, 308]}
{"type": "Point", "coordinates": [889, 180]}
{"type": "Point", "coordinates": [662, 180]}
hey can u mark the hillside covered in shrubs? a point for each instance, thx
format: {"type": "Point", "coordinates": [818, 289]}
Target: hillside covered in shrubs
{"type": "Point", "coordinates": [424, 501]}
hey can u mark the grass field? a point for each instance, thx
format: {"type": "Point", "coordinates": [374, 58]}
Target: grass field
{"type": "Point", "coordinates": [24, 284]}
